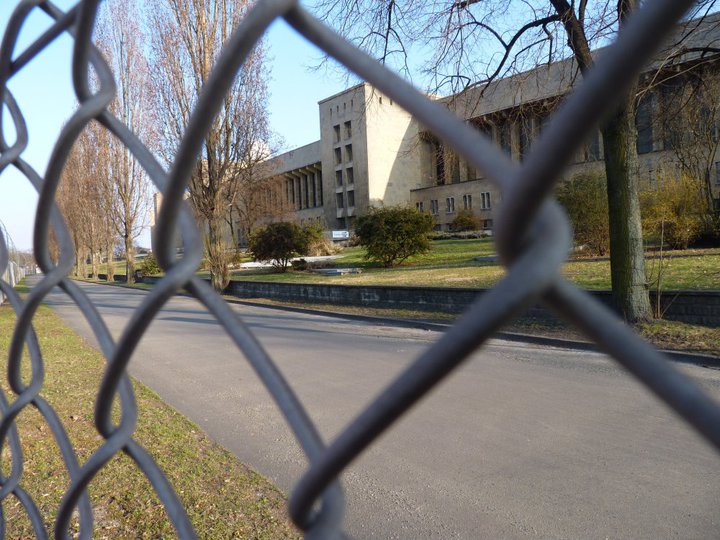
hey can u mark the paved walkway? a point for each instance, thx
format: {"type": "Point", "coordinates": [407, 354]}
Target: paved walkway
{"type": "Point", "coordinates": [522, 441]}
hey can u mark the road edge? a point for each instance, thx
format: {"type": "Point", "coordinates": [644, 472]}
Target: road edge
{"type": "Point", "coordinates": [701, 360]}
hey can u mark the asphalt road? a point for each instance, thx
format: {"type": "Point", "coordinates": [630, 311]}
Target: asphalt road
{"type": "Point", "coordinates": [520, 442]}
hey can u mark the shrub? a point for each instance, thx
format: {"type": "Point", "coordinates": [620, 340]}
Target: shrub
{"type": "Point", "coordinates": [584, 198]}
{"type": "Point", "coordinates": [278, 243]}
{"type": "Point", "coordinates": [317, 243]}
{"type": "Point", "coordinates": [458, 235]}
{"type": "Point", "coordinates": [465, 221]}
{"type": "Point", "coordinates": [392, 234]}
{"type": "Point", "coordinates": [150, 265]}
{"type": "Point", "coordinates": [675, 210]}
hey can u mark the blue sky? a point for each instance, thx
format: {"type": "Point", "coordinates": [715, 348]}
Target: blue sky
{"type": "Point", "coordinates": [44, 92]}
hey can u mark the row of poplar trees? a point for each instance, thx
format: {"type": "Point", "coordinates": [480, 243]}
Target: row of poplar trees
{"type": "Point", "coordinates": [162, 53]}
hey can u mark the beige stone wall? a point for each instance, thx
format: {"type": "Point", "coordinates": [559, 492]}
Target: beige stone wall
{"type": "Point", "coordinates": [294, 159]}
{"type": "Point", "coordinates": [343, 140]}
{"type": "Point", "coordinates": [393, 150]}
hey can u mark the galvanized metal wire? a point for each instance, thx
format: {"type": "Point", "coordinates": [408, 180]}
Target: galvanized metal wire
{"type": "Point", "coordinates": [532, 235]}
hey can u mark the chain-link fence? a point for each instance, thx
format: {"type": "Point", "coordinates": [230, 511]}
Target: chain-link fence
{"type": "Point", "coordinates": [528, 213]}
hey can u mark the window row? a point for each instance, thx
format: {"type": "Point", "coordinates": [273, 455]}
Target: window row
{"type": "Point", "coordinates": [340, 199]}
{"type": "Point", "coordinates": [344, 107]}
{"type": "Point", "coordinates": [485, 204]}
{"type": "Point", "coordinates": [339, 154]}
{"type": "Point", "coordinates": [346, 132]}
{"type": "Point", "coordinates": [348, 176]}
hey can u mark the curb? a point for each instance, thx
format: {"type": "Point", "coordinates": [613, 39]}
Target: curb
{"type": "Point", "coordinates": [702, 360]}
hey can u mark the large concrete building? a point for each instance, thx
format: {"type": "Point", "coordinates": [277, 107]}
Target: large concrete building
{"type": "Point", "coordinates": [373, 153]}
{"type": "Point", "coordinates": [366, 156]}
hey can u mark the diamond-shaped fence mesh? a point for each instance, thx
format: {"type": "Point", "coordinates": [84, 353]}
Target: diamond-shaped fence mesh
{"type": "Point", "coordinates": [528, 213]}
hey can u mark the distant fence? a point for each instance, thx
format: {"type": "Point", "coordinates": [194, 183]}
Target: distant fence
{"type": "Point", "coordinates": [12, 275]}
{"type": "Point", "coordinates": [692, 307]}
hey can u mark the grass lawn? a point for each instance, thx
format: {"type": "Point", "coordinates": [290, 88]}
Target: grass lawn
{"type": "Point", "coordinates": [224, 498]}
{"type": "Point", "coordinates": [118, 266]}
{"type": "Point", "coordinates": [451, 264]}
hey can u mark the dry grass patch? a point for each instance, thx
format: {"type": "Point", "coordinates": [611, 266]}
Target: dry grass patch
{"type": "Point", "coordinates": [679, 336]}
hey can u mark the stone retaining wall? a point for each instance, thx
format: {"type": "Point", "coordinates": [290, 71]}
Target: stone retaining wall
{"type": "Point", "coordinates": [686, 306]}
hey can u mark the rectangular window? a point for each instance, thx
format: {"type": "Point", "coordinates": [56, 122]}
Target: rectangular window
{"type": "Point", "coordinates": [471, 172]}
{"type": "Point", "coordinates": [487, 223]}
{"type": "Point", "coordinates": [505, 137]}
{"type": "Point", "coordinates": [348, 153]}
{"type": "Point", "coordinates": [592, 148]}
{"type": "Point", "coordinates": [717, 173]}
{"type": "Point", "coordinates": [643, 123]}
{"type": "Point", "coordinates": [439, 164]}
{"type": "Point", "coordinates": [351, 198]}
{"type": "Point", "coordinates": [525, 136]}
{"type": "Point", "coordinates": [450, 205]}
{"type": "Point", "coordinates": [314, 190]}
{"type": "Point", "coordinates": [434, 207]}
{"type": "Point", "coordinates": [338, 178]}
{"type": "Point", "coordinates": [419, 206]}
{"type": "Point", "coordinates": [485, 200]}
{"type": "Point", "coordinates": [348, 129]}
{"type": "Point", "coordinates": [340, 200]}
{"type": "Point", "coordinates": [338, 156]}
{"type": "Point", "coordinates": [336, 133]}
{"type": "Point", "coordinates": [320, 191]}
{"type": "Point", "coordinates": [350, 175]}
{"type": "Point", "coordinates": [467, 202]}
{"type": "Point", "coordinates": [306, 191]}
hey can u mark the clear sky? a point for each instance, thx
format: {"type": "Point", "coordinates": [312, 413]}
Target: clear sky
{"type": "Point", "coordinates": [44, 92]}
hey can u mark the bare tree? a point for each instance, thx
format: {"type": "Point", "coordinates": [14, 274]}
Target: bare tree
{"type": "Point", "coordinates": [476, 42]}
{"type": "Point", "coordinates": [690, 122]}
{"type": "Point", "coordinates": [121, 41]}
{"type": "Point", "coordinates": [260, 200]}
{"type": "Point", "coordinates": [188, 37]}
{"type": "Point", "coordinates": [80, 197]}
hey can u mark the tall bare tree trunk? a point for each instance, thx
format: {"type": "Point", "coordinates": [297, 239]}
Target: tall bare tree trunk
{"type": "Point", "coordinates": [627, 261]}
{"type": "Point", "coordinates": [110, 262]}
{"type": "Point", "coordinates": [217, 255]}
{"type": "Point", "coordinates": [95, 263]}
{"type": "Point", "coordinates": [81, 268]}
{"type": "Point", "coordinates": [129, 258]}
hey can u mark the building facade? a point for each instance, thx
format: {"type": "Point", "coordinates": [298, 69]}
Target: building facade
{"type": "Point", "coordinates": [366, 156]}
{"type": "Point", "coordinates": [372, 153]}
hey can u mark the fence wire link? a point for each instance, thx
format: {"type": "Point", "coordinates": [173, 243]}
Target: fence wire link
{"type": "Point", "coordinates": [532, 236]}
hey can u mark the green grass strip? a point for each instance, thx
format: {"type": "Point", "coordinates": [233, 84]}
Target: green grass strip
{"type": "Point", "coordinates": [224, 498]}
